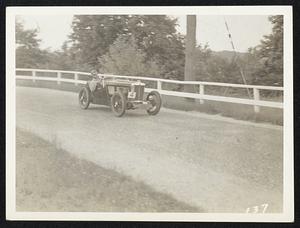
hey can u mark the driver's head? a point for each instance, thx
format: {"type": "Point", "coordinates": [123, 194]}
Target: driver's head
{"type": "Point", "coordinates": [94, 73]}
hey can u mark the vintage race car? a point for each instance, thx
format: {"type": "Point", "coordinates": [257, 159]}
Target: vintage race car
{"type": "Point", "coordinates": [120, 94]}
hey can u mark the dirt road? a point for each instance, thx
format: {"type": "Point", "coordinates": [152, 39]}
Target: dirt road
{"type": "Point", "coordinates": [210, 163]}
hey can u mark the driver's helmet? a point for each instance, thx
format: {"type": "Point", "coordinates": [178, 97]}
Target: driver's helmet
{"type": "Point", "coordinates": [94, 73]}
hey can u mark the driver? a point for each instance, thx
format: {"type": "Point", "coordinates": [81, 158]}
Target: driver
{"type": "Point", "coordinates": [95, 80]}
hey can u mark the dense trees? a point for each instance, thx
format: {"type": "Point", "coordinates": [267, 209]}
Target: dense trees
{"type": "Point", "coordinates": [269, 55]}
{"type": "Point", "coordinates": [149, 45]}
{"type": "Point", "coordinates": [93, 34]}
{"type": "Point", "coordinates": [124, 58]}
{"type": "Point", "coordinates": [155, 36]}
{"type": "Point", "coordinates": [28, 53]}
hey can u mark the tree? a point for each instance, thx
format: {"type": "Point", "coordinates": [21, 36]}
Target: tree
{"type": "Point", "coordinates": [202, 57]}
{"type": "Point", "coordinates": [28, 53]}
{"type": "Point", "coordinates": [269, 55]}
{"type": "Point", "coordinates": [63, 59]}
{"type": "Point", "coordinates": [155, 35]}
{"type": "Point", "coordinates": [93, 34]}
{"type": "Point", "coordinates": [124, 58]}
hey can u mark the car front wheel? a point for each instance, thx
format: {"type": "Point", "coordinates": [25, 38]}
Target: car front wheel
{"type": "Point", "coordinates": [118, 104]}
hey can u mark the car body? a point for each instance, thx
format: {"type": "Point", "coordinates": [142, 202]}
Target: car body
{"type": "Point", "coordinates": [120, 95]}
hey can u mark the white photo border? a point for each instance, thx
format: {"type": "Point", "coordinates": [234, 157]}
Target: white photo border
{"type": "Point", "coordinates": [288, 152]}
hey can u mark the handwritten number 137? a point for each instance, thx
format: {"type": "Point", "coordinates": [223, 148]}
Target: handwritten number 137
{"type": "Point", "coordinates": [257, 209]}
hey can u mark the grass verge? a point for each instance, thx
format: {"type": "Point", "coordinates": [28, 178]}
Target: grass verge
{"type": "Point", "coordinates": [49, 179]}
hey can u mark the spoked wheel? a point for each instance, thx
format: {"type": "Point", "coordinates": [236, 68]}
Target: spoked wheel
{"type": "Point", "coordinates": [84, 98]}
{"type": "Point", "coordinates": [118, 104]}
{"type": "Point", "coordinates": [155, 101]}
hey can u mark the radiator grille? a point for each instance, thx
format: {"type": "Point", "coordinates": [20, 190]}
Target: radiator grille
{"type": "Point", "coordinates": [139, 89]}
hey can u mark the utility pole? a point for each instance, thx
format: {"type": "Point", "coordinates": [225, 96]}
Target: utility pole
{"type": "Point", "coordinates": [190, 45]}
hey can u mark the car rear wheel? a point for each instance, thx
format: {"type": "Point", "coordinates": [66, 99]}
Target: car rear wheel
{"type": "Point", "coordinates": [118, 104]}
{"type": "Point", "coordinates": [84, 98]}
{"type": "Point", "coordinates": [154, 100]}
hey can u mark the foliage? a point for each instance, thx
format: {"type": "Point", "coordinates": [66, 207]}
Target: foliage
{"type": "Point", "coordinates": [269, 55]}
{"type": "Point", "coordinates": [124, 58]}
{"type": "Point", "coordinates": [155, 35]}
{"type": "Point", "coordinates": [93, 34]}
{"type": "Point", "coordinates": [262, 65]}
{"type": "Point", "coordinates": [28, 53]}
{"type": "Point", "coordinates": [220, 66]}
{"type": "Point", "coordinates": [63, 60]}
{"type": "Point", "coordinates": [202, 56]}
{"type": "Point", "coordinates": [158, 38]}
{"type": "Point", "coordinates": [149, 45]}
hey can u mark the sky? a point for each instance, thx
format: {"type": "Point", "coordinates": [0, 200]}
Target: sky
{"type": "Point", "coordinates": [246, 30]}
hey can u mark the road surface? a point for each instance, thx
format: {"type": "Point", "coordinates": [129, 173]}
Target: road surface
{"type": "Point", "coordinates": [213, 163]}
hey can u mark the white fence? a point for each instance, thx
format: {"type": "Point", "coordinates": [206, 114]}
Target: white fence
{"type": "Point", "coordinates": [256, 101]}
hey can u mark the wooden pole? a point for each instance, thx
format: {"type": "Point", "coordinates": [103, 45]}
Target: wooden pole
{"type": "Point", "coordinates": [190, 45]}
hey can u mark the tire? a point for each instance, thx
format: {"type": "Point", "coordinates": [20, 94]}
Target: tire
{"type": "Point", "coordinates": [118, 104]}
{"type": "Point", "coordinates": [84, 98]}
{"type": "Point", "coordinates": [155, 100]}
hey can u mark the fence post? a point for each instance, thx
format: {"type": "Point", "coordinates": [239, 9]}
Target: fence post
{"type": "Point", "coordinates": [201, 91]}
{"type": "Point", "coordinates": [76, 78]}
{"type": "Point", "coordinates": [33, 75]}
{"type": "Point", "coordinates": [159, 85]}
{"type": "Point", "coordinates": [256, 98]}
{"type": "Point", "coordinates": [58, 78]}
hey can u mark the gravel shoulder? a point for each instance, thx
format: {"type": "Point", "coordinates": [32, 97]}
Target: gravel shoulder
{"type": "Point", "coordinates": [50, 179]}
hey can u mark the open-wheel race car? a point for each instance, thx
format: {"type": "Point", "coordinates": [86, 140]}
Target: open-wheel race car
{"type": "Point", "coordinates": [119, 94]}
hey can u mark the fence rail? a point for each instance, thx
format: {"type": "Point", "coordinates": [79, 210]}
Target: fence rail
{"type": "Point", "coordinates": [256, 101]}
